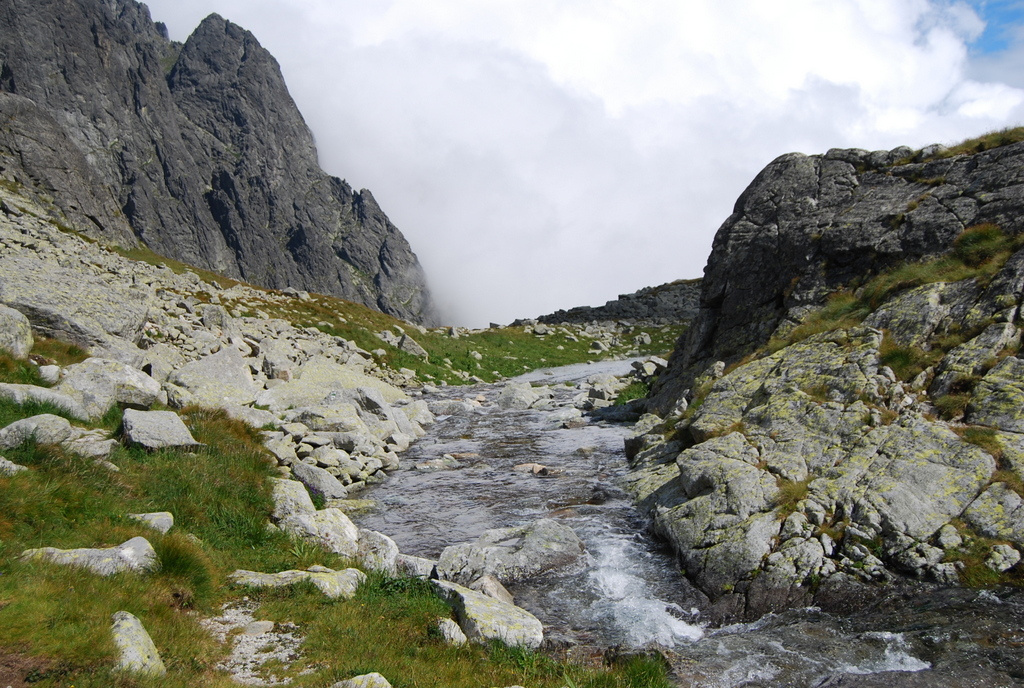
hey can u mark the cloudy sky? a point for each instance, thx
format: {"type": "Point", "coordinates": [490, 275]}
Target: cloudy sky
{"type": "Point", "coordinates": [543, 154]}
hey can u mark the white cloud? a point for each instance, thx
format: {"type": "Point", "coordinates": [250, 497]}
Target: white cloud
{"type": "Point", "coordinates": [541, 155]}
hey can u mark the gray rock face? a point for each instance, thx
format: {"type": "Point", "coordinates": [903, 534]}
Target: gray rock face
{"type": "Point", "coordinates": [517, 395]}
{"type": "Point", "coordinates": [136, 650]}
{"type": "Point", "coordinates": [68, 304]}
{"type": "Point", "coordinates": [807, 225]}
{"type": "Point", "coordinates": [373, 680]}
{"type": "Point", "coordinates": [135, 121]}
{"type": "Point", "coordinates": [157, 430]}
{"type": "Point", "coordinates": [318, 481]}
{"type": "Point", "coordinates": [21, 394]}
{"type": "Point", "coordinates": [133, 555]}
{"type": "Point", "coordinates": [161, 521]}
{"type": "Point", "coordinates": [217, 380]}
{"type": "Point", "coordinates": [9, 468]}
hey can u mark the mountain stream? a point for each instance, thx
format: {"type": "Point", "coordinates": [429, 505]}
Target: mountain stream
{"type": "Point", "coordinates": [628, 593]}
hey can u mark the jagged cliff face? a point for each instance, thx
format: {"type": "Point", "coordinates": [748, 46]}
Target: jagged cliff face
{"type": "Point", "coordinates": [198, 150]}
{"type": "Point", "coordinates": [847, 408]}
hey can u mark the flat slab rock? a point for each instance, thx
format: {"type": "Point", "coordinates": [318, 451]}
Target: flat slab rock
{"type": "Point", "coordinates": [133, 555]}
{"type": "Point", "coordinates": [157, 430]}
{"type": "Point", "coordinates": [334, 584]}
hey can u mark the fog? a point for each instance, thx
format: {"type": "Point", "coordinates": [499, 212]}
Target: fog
{"type": "Point", "coordinates": [547, 154]}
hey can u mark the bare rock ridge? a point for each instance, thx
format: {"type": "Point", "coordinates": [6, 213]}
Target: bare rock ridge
{"type": "Point", "coordinates": [673, 302]}
{"type": "Point", "coordinates": [197, 150]}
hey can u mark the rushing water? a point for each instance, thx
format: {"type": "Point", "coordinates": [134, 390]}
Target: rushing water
{"type": "Point", "coordinates": [628, 592]}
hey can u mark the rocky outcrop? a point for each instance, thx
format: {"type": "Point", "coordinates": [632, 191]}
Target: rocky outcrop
{"type": "Point", "coordinates": [197, 150]}
{"type": "Point", "coordinates": [872, 430]}
{"type": "Point", "coordinates": [810, 225]}
{"type": "Point", "coordinates": [673, 302]}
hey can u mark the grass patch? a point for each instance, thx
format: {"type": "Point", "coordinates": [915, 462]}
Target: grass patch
{"type": "Point", "coordinates": [60, 352]}
{"type": "Point", "coordinates": [791, 492]}
{"type": "Point", "coordinates": [974, 573]}
{"type": "Point", "coordinates": [952, 406]}
{"type": "Point", "coordinates": [983, 437]}
{"type": "Point", "coordinates": [907, 362]}
{"type": "Point", "coordinates": [634, 390]}
{"type": "Point", "coordinates": [979, 144]}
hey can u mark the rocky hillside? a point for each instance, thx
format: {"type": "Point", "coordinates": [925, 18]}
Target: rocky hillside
{"type": "Point", "coordinates": [196, 150]}
{"type": "Point", "coordinates": [675, 302]}
{"type": "Point", "coordinates": [846, 408]}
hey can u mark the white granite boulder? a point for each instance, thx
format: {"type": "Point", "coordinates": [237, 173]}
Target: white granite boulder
{"type": "Point", "coordinates": [97, 384]}
{"type": "Point", "coordinates": [157, 430]}
{"type": "Point", "coordinates": [15, 332]}
{"type": "Point", "coordinates": [137, 652]}
{"type": "Point", "coordinates": [133, 555]}
{"type": "Point", "coordinates": [45, 428]}
{"type": "Point", "coordinates": [484, 618]}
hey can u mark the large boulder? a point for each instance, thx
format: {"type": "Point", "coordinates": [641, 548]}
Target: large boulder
{"type": "Point", "coordinates": [517, 395]}
{"type": "Point", "coordinates": [217, 380]}
{"type": "Point", "coordinates": [157, 430]}
{"type": "Point", "coordinates": [295, 514]}
{"type": "Point", "coordinates": [484, 618]}
{"type": "Point", "coordinates": [135, 555]}
{"type": "Point", "coordinates": [377, 552]}
{"type": "Point", "coordinates": [318, 481]}
{"type": "Point", "coordinates": [372, 680]}
{"type": "Point", "coordinates": [15, 332]}
{"type": "Point", "coordinates": [45, 428]}
{"type": "Point", "coordinates": [97, 384]}
{"type": "Point", "coordinates": [511, 554]}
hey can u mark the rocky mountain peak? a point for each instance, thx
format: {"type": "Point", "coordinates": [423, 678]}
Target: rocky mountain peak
{"type": "Point", "coordinates": [196, 149]}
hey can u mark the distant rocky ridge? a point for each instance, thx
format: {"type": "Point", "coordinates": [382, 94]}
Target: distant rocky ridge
{"type": "Point", "coordinates": [670, 302]}
{"type": "Point", "coordinates": [197, 150]}
{"type": "Point", "coordinates": [806, 445]}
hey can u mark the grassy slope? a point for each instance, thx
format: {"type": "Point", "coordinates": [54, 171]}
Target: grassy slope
{"type": "Point", "coordinates": [56, 619]}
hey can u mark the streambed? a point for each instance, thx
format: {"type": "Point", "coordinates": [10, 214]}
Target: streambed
{"type": "Point", "coordinates": [628, 592]}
